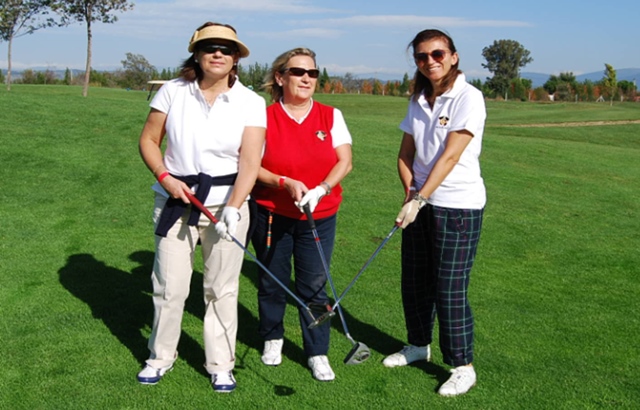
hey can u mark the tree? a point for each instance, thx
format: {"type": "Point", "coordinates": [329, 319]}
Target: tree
{"type": "Point", "coordinates": [324, 78]}
{"type": "Point", "coordinates": [377, 87]}
{"type": "Point", "coordinates": [627, 89]}
{"type": "Point", "coordinates": [609, 82]}
{"type": "Point", "coordinates": [18, 18]}
{"type": "Point", "coordinates": [89, 11]}
{"type": "Point", "coordinates": [504, 60]}
{"type": "Point", "coordinates": [405, 85]}
{"type": "Point", "coordinates": [67, 77]}
{"type": "Point", "coordinates": [476, 82]}
{"type": "Point", "coordinates": [136, 72]}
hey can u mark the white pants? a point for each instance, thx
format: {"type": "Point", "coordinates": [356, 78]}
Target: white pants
{"type": "Point", "coordinates": [171, 278]}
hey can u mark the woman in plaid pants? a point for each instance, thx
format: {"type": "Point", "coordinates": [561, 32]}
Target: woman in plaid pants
{"type": "Point", "coordinates": [438, 164]}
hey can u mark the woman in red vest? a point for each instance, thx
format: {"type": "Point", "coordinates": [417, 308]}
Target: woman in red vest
{"type": "Point", "coordinates": [307, 154]}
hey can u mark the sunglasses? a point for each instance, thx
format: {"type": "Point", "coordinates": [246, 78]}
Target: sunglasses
{"type": "Point", "coordinates": [212, 48]}
{"type": "Point", "coordinates": [436, 55]}
{"type": "Point", "coordinates": [299, 72]}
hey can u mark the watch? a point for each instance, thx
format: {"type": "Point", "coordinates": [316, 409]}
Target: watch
{"type": "Point", "coordinates": [422, 201]}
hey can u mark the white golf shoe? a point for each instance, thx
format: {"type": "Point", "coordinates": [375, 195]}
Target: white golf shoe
{"type": "Point", "coordinates": [151, 375]}
{"type": "Point", "coordinates": [462, 379]}
{"type": "Point", "coordinates": [408, 354]}
{"type": "Point", "coordinates": [321, 368]}
{"type": "Point", "coordinates": [272, 353]}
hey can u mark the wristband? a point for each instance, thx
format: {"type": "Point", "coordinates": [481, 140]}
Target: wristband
{"type": "Point", "coordinates": [281, 182]}
{"type": "Point", "coordinates": [410, 189]}
{"type": "Point", "coordinates": [163, 176]}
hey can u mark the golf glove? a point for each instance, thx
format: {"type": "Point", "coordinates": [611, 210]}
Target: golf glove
{"type": "Point", "coordinates": [410, 210]}
{"type": "Point", "coordinates": [228, 223]}
{"type": "Point", "coordinates": [312, 198]}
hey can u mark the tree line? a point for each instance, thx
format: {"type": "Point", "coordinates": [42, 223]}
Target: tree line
{"type": "Point", "coordinates": [504, 59]}
{"type": "Point", "coordinates": [22, 17]}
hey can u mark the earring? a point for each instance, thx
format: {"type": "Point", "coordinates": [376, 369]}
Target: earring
{"type": "Point", "coordinates": [195, 59]}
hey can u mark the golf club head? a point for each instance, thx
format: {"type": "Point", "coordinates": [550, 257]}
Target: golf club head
{"type": "Point", "coordinates": [320, 307]}
{"type": "Point", "coordinates": [321, 319]}
{"type": "Point", "coordinates": [358, 354]}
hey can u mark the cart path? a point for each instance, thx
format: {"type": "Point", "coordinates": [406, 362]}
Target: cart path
{"type": "Point", "coordinates": [569, 124]}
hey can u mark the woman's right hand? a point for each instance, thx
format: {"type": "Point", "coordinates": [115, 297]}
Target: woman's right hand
{"type": "Point", "coordinates": [176, 188]}
{"type": "Point", "coordinates": [295, 188]}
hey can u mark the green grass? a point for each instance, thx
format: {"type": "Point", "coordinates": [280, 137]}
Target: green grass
{"type": "Point", "coordinates": [554, 289]}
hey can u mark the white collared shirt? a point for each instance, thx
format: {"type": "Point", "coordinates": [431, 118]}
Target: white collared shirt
{"type": "Point", "coordinates": [461, 108]}
{"type": "Point", "coordinates": [203, 138]}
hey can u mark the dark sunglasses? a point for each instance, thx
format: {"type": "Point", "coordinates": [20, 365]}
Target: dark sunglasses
{"type": "Point", "coordinates": [299, 72]}
{"type": "Point", "coordinates": [212, 48]}
{"type": "Point", "coordinates": [437, 55]}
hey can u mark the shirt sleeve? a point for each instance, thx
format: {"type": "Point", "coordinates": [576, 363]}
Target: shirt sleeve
{"type": "Point", "coordinates": [257, 111]}
{"type": "Point", "coordinates": [339, 132]}
{"type": "Point", "coordinates": [162, 100]}
{"type": "Point", "coordinates": [470, 113]}
{"type": "Point", "coordinates": [407, 122]}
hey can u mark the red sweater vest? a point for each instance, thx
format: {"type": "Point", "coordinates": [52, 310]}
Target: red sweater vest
{"type": "Point", "coordinates": [300, 151]}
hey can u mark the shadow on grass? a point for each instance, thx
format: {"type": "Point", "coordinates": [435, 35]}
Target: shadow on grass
{"type": "Point", "coordinates": [122, 301]}
{"type": "Point", "coordinates": [362, 332]}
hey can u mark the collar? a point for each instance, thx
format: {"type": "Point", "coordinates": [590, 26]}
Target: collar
{"type": "Point", "coordinates": [194, 88]}
{"type": "Point", "coordinates": [291, 116]}
{"type": "Point", "coordinates": [458, 85]}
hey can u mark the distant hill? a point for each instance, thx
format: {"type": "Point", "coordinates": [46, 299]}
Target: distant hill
{"type": "Point", "coordinates": [628, 74]}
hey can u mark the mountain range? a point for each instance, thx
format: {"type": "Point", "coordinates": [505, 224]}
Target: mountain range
{"type": "Point", "coordinates": [623, 74]}
{"type": "Point", "coordinates": [538, 79]}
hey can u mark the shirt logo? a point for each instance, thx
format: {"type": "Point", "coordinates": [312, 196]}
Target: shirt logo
{"type": "Point", "coordinates": [444, 120]}
{"type": "Point", "coordinates": [321, 135]}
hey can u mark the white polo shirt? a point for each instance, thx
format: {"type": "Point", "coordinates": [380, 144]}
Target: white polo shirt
{"type": "Point", "coordinates": [206, 139]}
{"type": "Point", "coordinates": [461, 108]}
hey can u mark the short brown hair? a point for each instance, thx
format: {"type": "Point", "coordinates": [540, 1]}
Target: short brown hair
{"type": "Point", "coordinates": [278, 66]}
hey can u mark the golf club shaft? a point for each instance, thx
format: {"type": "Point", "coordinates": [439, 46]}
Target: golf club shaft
{"type": "Point", "coordinates": [325, 265]}
{"type": "Point", "coordinates": [355, 278]}
{"type": "Point", "coordinates": [213, 219]}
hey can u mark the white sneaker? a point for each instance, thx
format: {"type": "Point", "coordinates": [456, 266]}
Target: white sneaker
{"type": "Point", "coordinates": [272, 353]}
{"type": "Point", "coordinates": [151, 375]}
{"type": "Point", "coordinates": [462, 379]}
{"type": "Point", "coordinates": [408, 354]}
{"type": "Point", "coordinates": [223, 382]}
{"type": "Point", "coordinates": [321, 369]}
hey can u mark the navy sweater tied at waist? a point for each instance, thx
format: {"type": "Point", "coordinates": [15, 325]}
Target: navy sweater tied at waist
{"type": "Point", "coordinates": [175, 207]}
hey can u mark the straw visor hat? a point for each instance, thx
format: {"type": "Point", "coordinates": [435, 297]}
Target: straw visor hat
{"type": "Point", "coordinates": [220, 32]}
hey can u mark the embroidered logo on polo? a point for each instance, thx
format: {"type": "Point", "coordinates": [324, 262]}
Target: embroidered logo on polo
{"type": "Point", "coordinates": [321, 135]}
{"type": "Point", "coordinates": [444, 120]}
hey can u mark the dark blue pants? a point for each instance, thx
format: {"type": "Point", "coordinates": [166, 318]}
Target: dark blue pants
{"type": "Point", "coordinates": [438, 250]}
{"type": "Point", "coordinates": [292, 239]}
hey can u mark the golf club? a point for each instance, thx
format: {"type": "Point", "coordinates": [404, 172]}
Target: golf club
{"type": "Point", "coordinates": [324, 317]}
{"type": "Point", "coordinates": [359, 352]}
{"type": "Point", "coordinates": [195, 202]}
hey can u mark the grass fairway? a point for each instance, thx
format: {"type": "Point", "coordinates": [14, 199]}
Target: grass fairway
{"type": "Point", "coordinates": [554, 290]}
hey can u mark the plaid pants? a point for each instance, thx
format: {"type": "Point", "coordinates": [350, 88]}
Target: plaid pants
{"type": "Point", "coordinates": [438, 250]}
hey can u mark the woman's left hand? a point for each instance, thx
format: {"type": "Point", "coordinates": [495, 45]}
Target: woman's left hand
{"type": "Point", "coordinates": [312, 198]}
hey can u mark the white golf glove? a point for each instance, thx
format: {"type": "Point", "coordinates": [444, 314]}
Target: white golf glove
{"type": "Point", "coordinates": [312, 198]}
{"type": "Point", "coordinates": [409, 211]}
{"type": "Point", "coordinates": [228, 223]}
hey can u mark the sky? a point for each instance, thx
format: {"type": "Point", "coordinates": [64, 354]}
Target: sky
{"type": "Point", "coordinates": [363, 37]}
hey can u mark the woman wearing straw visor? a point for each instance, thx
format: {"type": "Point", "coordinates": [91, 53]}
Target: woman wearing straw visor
{"type": "Point", "coordinates": [214, 129]}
